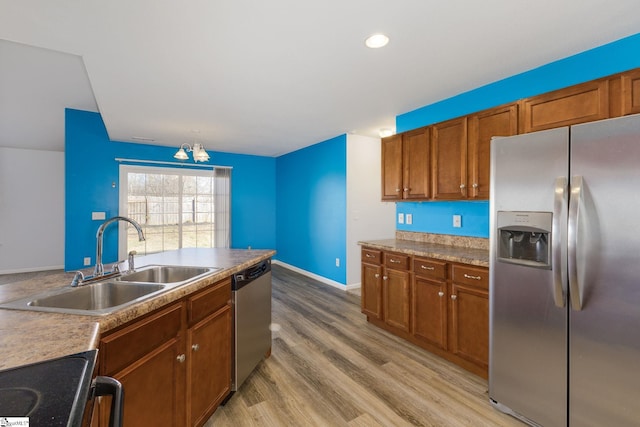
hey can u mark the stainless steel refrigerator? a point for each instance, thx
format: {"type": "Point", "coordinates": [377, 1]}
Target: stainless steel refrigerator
{"type": "Point", "coordinates": [565, 275]}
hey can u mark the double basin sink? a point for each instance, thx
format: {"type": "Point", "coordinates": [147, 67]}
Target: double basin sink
{"type": "Point", "coordinates": [107, 296]}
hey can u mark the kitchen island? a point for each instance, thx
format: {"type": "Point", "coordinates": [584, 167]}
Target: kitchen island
{"type": "Point", "coordinates": [30, 337]}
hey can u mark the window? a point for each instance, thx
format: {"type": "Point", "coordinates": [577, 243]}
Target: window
{"type": "Point", "coordinates": [176, 208]}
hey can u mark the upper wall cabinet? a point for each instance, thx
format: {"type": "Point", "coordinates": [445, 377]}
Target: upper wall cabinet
{"type": "Point", "coordinates": [449, 154]}
{"type": "Point", "coordinates": [405, 166]}
{"type": "Point", "coordinates": [499, 121]}
{"type": "Point", "coordinates": [631, 92]}
{"type": "Point", "coordinates": [582, 103]}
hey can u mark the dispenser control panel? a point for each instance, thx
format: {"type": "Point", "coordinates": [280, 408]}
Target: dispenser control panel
{"type": "Point", "coordinates": [525, 238]}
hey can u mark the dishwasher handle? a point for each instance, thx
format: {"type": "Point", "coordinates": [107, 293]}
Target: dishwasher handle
{"type": "Point", "coordinates": [107, 386]}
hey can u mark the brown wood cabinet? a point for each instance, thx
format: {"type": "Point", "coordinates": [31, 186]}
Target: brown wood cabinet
{"type": "Point", "coordinates": [371, 287]}
{"type": "Point", "coordinates": [145, 358]}
{"type": "Point", "coordinates": [449, 160]}
{"type": "Point", "coordinates": [581, 103]}
{"type": "Point", "coordinates": [396, 291]}
{"type": "Point", "coordinates": [499, 121]}
{"type": "Point", "coordinates": [429, 303]}
{"type": "Point", "coordinates": [209, 349]}
{"type": "Point", "coordinates": [440, 306]}
{"type": "Point", "coordinates": [469, 337]}
{"type": "Point", "coordinates": [175, 363]}
{"type": "Point", "coordinates": [631, 92]}
{"type": "Point", "coordinates": [405, 166]}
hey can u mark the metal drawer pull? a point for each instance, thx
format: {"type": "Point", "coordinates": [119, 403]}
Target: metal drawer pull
{"type": "Point", "coordinates": [440, 294]}
{"type": "Point", "coordinates": [466, 276]}
{"type": "Point", "coordinates": [181, 358]}
{"type": "Point", "coordinates": [370, 256]}
{"type": "Point", "coordinates": [425, 267]}
{"type": "Point", "coordinates": [395, 261]}
{"type": "Point", "coordinates": [195, 347]}
{"type": "Point", "coordinates": [453, 297]}
{"type": "Point", "coordinates": [384, 278]}
{"type": "Point", "coordinates": [376, 275]}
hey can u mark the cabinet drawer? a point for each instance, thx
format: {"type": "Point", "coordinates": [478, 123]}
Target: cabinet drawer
{"type": "Point", "coordinates": [430, 268]}
{"type": "Point", "coordinates": [209, 301]}
{"type": "Point", "coordinates": [396, 261]}
{"type": "Point", "coordinates": [474, 276]}
{"type": "Point", "coordinates": [129, 344]}
{"type": "Point", "coordinates": [371, 256]}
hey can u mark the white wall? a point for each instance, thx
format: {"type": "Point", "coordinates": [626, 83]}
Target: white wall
{"type": "Point", "coordinates": [31, 210]}
{"type": "Point", "coordinates": [367, 217]}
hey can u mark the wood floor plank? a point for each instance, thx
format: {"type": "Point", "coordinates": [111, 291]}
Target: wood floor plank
{"type": "Point", "coordinates": [329, 367]}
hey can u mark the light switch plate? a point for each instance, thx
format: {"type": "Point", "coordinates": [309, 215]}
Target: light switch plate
{"type": "Point", "coordinates": [98, 215]}
{"type": "Point", "coordinates": [409, 218]}
{"type": "Point", "coordinates": [400, 218]}
{"type": "Point", "coordinates": [457, 221]}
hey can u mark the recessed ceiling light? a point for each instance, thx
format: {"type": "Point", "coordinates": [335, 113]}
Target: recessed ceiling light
{"type": "Point", "coordinates": [376, 40]}
{"type": "Point", "coordinates": [384, 132]}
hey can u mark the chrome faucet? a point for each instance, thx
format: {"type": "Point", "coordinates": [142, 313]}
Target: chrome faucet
{"type": "Point", "coordinates": [99, 269]}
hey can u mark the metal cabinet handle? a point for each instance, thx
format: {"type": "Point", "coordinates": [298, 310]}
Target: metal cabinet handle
{"type": "Point", "coordinates": [394, 261]}
{"type": "Point", "coordinates": [427, 267]}
{"type": "Point", "coordinates": [376, 275]}
{"type": "Point", "coordinates": [475, 185]}
{"type": "Point", "coordinates": [385, 278]}
{"type": "Point", "coordinates": [441, 294]}
{"type": "Point", "coordinates": [195, 347]}
{"type": "Point", "coordinates": [369, 256]}
{"type": "Point", "coordinates": [397, 190]}
{"type": "Point", "coordinates": [181, 358]}
{"type": "Point", "coordinates": [406, 189]}
{"type": "Point", "coordinates": [467, 276]}
{"type": "Point", "coordinates": [454, 297]}
{"type": "Point", "coordinates": [462, 186]}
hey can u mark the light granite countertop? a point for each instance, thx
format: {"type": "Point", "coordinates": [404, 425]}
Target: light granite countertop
{"type": "Point", "coordinates": [466, 250]}
{"type": "Point", "coordinates": [30, 337]}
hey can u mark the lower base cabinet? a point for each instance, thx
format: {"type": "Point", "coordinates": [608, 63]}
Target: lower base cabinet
{"type": "Point", "coordinates": [447, 304]}
{"type": "Point", "coordinates": [174, 364]}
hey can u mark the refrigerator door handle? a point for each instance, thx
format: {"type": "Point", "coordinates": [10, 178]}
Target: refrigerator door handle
{"type": "Point", "coordinates": [575, 202]}
{"type": "Point", "coordinates": [558, 236]}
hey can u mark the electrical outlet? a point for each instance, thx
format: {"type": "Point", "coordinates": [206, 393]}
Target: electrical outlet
{"type": "Point", "coordinates": [457, 221]}
{"type": "Point", "coordinates": [409, 218]}
{"type": "Point", "coordinates": [87, 260]}
{"type": "Point", "coordinates": [400, 218]}
{"type": "Point", "coordinates": [337, 262]}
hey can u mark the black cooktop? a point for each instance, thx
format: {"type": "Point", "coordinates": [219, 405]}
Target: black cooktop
{"type": "Point", "coordinates": [51, 393]}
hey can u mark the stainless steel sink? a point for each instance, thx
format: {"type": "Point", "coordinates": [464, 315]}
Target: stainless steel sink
{"type": "Point", "coordinates": [167, 274]}
{"type": "Point", "coordinates": [94, 299]}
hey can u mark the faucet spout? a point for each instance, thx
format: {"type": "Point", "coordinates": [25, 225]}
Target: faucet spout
{"type": "Point", "coordinates": [99, 269]}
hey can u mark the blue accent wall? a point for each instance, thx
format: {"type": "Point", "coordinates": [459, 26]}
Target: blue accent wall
{"type": "Point", "coordinates": [602, 61]}
{"type": "Point", "coordinates": [312, 208]}
{"type": "Point", "coordinates": [90, 171]}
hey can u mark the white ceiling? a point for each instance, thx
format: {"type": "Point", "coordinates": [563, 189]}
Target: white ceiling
{"type": "Point", "coordinates": [270, 77]}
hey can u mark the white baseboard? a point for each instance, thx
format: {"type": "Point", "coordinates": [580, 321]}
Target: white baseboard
{"type": "Point", "coordinates": [319, 278]}
{"type": "Point", "coordinates": [32, 269]}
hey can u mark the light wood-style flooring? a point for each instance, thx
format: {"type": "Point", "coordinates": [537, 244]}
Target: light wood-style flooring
{"type": "Point", "coordinates": [329, 367]}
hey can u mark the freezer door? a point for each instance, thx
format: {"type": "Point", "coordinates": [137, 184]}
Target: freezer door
{"type": "Point", "coordinates": [605, 318]}
{"type": "Point", "coordinates": [528, 318]}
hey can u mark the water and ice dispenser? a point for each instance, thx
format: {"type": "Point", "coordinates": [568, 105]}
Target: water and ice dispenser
{"type": "Point", "coordinates": [525, 238]}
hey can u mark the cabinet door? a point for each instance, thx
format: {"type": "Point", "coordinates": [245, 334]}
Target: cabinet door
{"type": "Point", "coordinates": [396, 297]}
{"type": "Point", "coordinates": [392, 168]}
{"type": "Point", "coordinates": [449, 159]}
{"type": "Point", "coordinates": [153, 388]}
{"type": "Point", "coordinates": [581, 103]}
{"type": "Point", "coordinates": [209, 365]}
{"type": "Point", "coordinates": [501, 121]}
{"type": "Point", "coordinates": [429, 311]}
{"type": "Point", "coordinates": [416, 164]}
{"type": "Point", "coordinates": [371, 291]}
{"type": "Point", "coordinates": [631, 92]}
{"type": "Point", "coordinates": [470, 323]}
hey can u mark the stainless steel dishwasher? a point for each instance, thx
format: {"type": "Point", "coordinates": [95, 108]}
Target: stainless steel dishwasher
{"type": "Point", "coordinates": [251, 300]}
